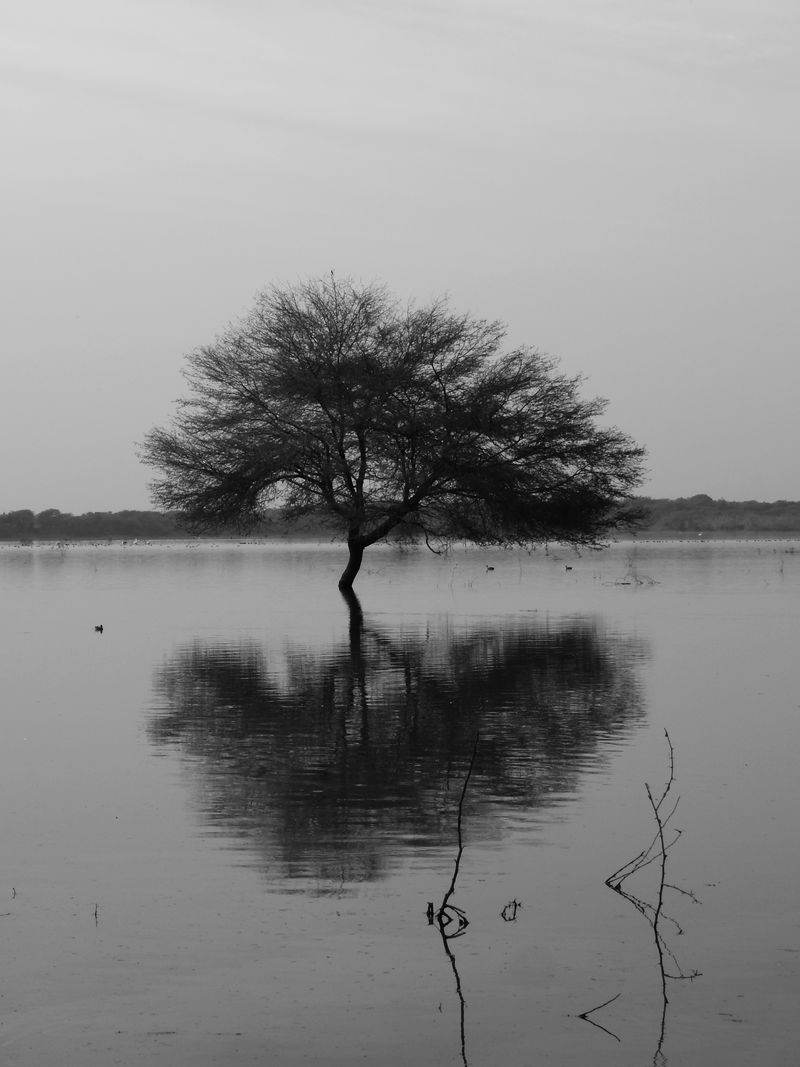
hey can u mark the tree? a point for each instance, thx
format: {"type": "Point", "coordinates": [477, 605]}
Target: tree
{"type": "Point", "coordinates": [330, 397]}
{"type": "Point", "coordinates": [17, 525]}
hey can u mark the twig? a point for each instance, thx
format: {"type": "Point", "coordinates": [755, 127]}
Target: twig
{"type": "Point", "coordinates": [457, 865]}
{"type": "Point", "coordinates": [585, 1016]}
{"type": "Point", "coordinates": [509, 912]}
{"type": "Point", "coordinates": [448, 913]}
{"type": "Point", "coordinates": [655, 853]}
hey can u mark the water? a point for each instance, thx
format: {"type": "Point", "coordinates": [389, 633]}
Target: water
{"type": "Point", "coordinates": [225, 816]}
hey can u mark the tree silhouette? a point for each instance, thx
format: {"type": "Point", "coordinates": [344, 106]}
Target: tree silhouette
{"type": "Point", "coordinates": [329, 398]}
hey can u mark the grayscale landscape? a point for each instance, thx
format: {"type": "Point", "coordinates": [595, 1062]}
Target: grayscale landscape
{"type": "Point", "coordinates": [399, 533]}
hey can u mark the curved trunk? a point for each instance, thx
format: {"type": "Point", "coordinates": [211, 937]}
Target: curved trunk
{"type": "Point", "coordinates": [353, 564]}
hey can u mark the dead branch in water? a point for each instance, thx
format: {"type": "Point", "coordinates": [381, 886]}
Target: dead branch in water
{"type": "Point", "coordinates": [585, 1016]}
{"type": "Point", "coordinates": [664, 839]}
{"type": "Point", "coordinates": [509, 912]}
{"type": "Point", "coordinates": [449, 915]}
{"type": "Point", "coordinates": [447, 912]}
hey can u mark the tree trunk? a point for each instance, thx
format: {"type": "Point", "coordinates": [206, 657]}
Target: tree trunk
{"type": "Point", "coordinates": [353, 565]}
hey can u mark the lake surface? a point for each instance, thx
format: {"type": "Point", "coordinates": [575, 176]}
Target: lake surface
{"type": "Point", "coordinates": [224, 817]}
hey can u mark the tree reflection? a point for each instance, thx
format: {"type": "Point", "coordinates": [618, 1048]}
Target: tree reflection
{"type": "Point", "coordinates": [332, 760]}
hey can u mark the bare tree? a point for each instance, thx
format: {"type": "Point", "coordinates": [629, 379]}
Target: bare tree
{"type": "Point", "coordinates": [332, 398]}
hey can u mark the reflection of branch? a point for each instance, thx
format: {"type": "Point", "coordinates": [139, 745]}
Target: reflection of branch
{"type": "Point", "coordinates": [655, 853]}
{"type": "Point", "coordinates": [448, 913]}
{"type": "Point", "coordinates": [462, 1003]}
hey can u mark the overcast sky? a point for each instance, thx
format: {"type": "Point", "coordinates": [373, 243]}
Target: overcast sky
{"type": "Point", "coordinates": [617, 180]}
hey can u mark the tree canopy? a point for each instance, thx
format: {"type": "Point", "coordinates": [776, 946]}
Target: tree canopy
{"type": "Point", "coordinates": [334, 398]}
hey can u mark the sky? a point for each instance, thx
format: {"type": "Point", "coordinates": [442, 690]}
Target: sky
{"type": "Point", "coordinates": [617, 181]}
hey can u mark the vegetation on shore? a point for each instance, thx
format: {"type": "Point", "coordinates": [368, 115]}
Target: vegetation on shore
{"type": "Point", "coordinates": [686, 515]}
{"type": "Point", "coordinates": [700, 514]}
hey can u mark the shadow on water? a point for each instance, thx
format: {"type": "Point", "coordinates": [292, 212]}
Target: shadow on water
{"type": "Point", "coordinates": [331, 762]}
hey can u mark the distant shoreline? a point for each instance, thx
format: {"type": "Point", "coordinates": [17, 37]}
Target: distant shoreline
{"type": "Point", "coordinates": [313, 541]}
{"type": "Point", "coordinates": [685, 518]}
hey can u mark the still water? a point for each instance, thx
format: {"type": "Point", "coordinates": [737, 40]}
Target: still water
{"type": "Point", "coordinates": [224, 817]}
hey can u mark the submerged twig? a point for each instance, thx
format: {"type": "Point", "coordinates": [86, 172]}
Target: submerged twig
{"type": "Point", "coordinates": [509, 912]}
{"type": "Point", "coordinates": [656, 853]}
{"type": "Point", "coordinates": [444, 907]}
{"type": "Point", "coordinates": [585, 1016]}
{"type": "Point", "coordinates": [449, 915]}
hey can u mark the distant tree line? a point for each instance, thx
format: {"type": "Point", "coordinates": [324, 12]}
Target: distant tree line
{"type": "Point", "coordinates": [686, 515]}
{"type": "Point", "coordinates": [53, 525]}
{"type": "Point", "coordinates": [701, 514]}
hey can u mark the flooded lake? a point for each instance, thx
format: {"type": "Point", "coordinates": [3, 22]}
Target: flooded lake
{"type": "Point", "coordinates": [227, 816]}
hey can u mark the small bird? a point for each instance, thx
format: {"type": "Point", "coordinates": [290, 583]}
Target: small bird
{"type": "Point", "coordinates": [98, 629]}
